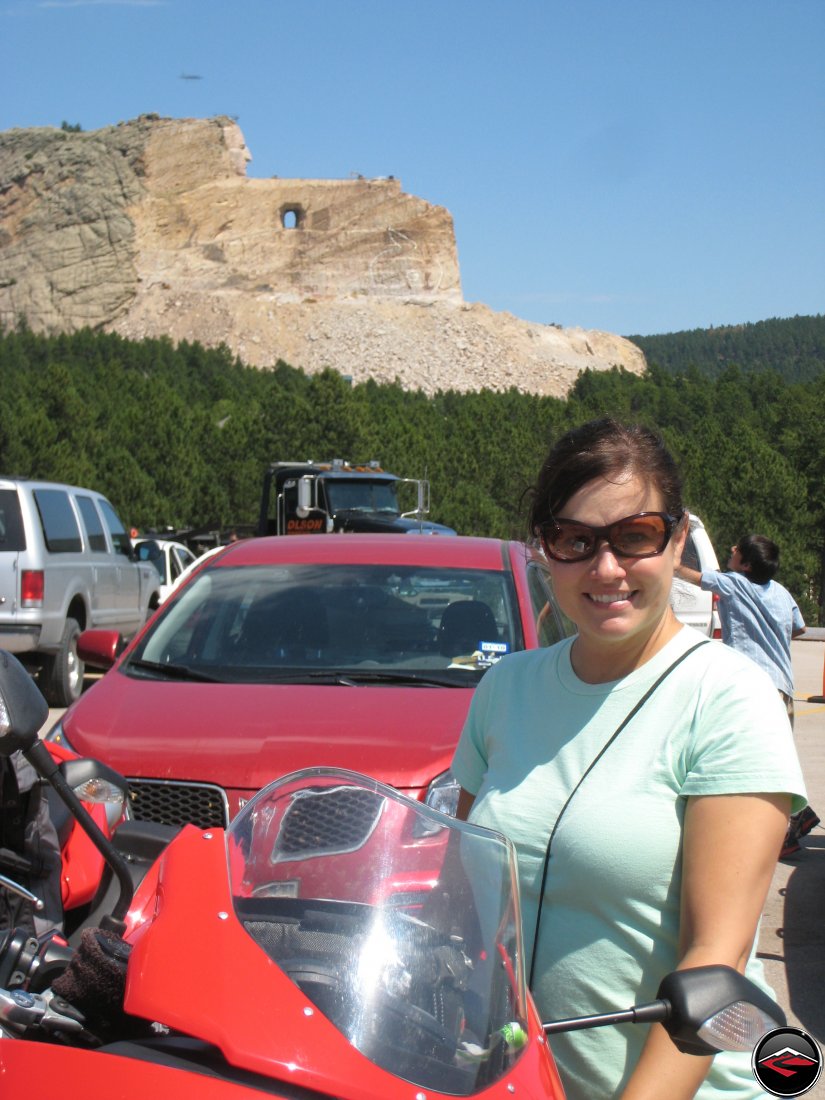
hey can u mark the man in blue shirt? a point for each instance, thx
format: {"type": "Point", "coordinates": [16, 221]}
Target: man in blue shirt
{"type": "Point", "coordinates": [759, 618]}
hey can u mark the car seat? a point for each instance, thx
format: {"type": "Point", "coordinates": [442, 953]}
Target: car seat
{"type": "Point", "coordinates": [290, 626]}
{"type": "Point", "coordinates": [463, 625]}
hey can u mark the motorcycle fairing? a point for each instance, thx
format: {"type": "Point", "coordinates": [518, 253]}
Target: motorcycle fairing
{"type": "Point", "coordinates": [195, 969]}
{"type": "Point", "coordinates": [304, 960]}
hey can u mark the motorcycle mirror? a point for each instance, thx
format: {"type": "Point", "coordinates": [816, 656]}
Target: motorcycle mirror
{"type": "Point", "coordinates": [716, 1008]}
{"type": "Point", "coordinates": [704, 1010]}
{"type": "Point", "coordinates": [23, 710]}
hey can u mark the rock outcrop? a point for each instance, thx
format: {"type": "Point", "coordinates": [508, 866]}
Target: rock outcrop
{"type": "Point", "coordinates": [152, 228]}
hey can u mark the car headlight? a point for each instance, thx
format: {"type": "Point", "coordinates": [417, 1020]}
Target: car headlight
{"type": "Point", "coordinates": [57, 735]}
{"type": "Point", "coordinates": [443, 792]}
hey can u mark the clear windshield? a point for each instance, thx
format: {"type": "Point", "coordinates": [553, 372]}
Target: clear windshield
{"type": "Point", "coordinates": [401, 925]}
{"type": "Point", "coordinates": [362, 496]}
{"type": "Point", "coordinates": [261, 623]}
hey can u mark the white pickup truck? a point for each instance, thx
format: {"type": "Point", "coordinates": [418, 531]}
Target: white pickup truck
{"type": "Point", "coordinates": [692, 605]}
{"type": "Point", "coordinates": [66, 564]}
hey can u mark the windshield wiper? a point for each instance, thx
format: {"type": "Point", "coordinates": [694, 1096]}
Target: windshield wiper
{"type": "Point", "coordinates": [353, 677]}
{"type": "Point", "coordinates": [173, 672]}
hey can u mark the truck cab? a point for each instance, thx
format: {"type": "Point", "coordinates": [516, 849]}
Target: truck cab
{"type": "Point", "coordinates": [301, 498]}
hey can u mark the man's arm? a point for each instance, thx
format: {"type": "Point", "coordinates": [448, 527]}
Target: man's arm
{"type": "Point", "coordinates": [692, 576]}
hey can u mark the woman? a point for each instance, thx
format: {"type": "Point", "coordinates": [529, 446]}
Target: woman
{"type": "Point", "coordinates": [647, 872]}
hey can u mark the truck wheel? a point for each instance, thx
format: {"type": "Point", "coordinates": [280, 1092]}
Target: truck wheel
{"type": "Point", "coordinates": [61, 676]}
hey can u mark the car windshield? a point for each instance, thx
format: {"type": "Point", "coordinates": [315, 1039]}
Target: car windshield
{"type": "Point", "coordinates": [334, 624]}
{"type": "Point", "coordinates": [362, 496]}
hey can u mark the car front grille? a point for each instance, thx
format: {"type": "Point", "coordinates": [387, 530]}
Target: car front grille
{"type": "Point", "coordinates": [320, 822]}
{"type": "Point", "coordinates": [173, 803]}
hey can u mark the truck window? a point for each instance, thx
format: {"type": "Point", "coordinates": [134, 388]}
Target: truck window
{"type": "Point", "coordinates": [690, 555]}
{"type": "Point", "coordinates": [120, 537]}
{"type": "Point", "coordinates": [60, 530]}
{"type": "Point", "coordinates": [92, 523]}
{"type": "Point", "coordinates": [362, 496]}
{"type": "Point", "coordinates": [12, 535]}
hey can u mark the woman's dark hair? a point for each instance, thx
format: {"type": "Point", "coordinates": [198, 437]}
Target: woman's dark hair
{"type": "Point", "coordinates": [603, 448]}
{"type": "Point", "coordinates": [760, 555]}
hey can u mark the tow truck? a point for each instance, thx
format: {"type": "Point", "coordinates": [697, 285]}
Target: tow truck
{"type": "Point", "coordinates": [318, 498]}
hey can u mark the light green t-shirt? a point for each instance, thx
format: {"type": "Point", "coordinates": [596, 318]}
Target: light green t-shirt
{"type": "Point", "coordinates": [610, 918]}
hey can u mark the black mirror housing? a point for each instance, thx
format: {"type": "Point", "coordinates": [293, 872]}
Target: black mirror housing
{"type": "Point", "coordinates": [23, 710]}
{"type": "Point", "coordinates": [702, 993]}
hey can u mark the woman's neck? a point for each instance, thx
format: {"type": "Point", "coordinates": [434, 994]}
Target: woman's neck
{"type": "Point", "coordinates": [599, 662]}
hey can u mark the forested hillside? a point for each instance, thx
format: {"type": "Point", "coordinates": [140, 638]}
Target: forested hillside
{"type": "Point", "coordinates": [181, 436]}
{"type": "Point", "coordinates": [795, 347]}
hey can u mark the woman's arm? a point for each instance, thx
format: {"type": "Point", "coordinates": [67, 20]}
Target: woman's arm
{"type": "Point", "coordinates": [731, 844]}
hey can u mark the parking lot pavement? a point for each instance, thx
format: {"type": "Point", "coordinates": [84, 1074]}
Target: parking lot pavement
{"type": "Point", "coordinates": [792, 934]}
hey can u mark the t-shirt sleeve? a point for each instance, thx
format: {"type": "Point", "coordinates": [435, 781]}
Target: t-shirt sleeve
{"type": "Point", "coordinates": [469, 764]}
{"type": "Point", "coordinates": [742, 741]}
{"type": "Point", "coordinates": [798, 621]}
{"type": "Point", "coordinates": [720, 583]}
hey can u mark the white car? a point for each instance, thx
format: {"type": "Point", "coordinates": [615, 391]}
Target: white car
{"type": "Point", "coordinates": [194, 564]}
{"type": "Point", "coordinates": [172, 561]}
{"type": "Point", "coordinates": [692, 605]}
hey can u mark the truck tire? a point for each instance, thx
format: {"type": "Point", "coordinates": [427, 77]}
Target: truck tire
{"type": "Point", "coordinates": [61, 674]}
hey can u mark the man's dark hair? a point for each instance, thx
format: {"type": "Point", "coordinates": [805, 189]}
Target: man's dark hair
{"type": "Point", "coordinates": [760, 555]}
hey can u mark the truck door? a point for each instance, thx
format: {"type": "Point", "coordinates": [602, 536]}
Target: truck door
{"type": "Point", "coordinates": [103, 590]}
{"type": "Point", "coordinates": [127, 572]}
{"type": "Point", "coordinates": [12, 541]}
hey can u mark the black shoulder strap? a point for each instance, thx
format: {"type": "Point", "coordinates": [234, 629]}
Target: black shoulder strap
{"type": "Point", "coordinates": [628, 717]}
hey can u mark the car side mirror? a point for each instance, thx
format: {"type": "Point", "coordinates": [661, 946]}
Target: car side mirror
{"type": "Point", "coordinates": [23, 710]}
{"type": "Point", "coordinates": [146, 550]}
{"type": "Point", "coordinates": [100, 648]}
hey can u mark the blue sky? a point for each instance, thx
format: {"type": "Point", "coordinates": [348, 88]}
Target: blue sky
{"type": "Point", "coordinates": [636, 166]}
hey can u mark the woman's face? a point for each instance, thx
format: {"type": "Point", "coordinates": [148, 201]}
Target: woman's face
{"type": "Point", "coordinates": [618, 602]}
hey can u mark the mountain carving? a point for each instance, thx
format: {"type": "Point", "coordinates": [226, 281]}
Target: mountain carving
{"type": "Point", "coordinates": [152, 228]}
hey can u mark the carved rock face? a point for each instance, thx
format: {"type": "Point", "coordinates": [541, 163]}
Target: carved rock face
{"type": "Point", "coordinates": [151, 228]}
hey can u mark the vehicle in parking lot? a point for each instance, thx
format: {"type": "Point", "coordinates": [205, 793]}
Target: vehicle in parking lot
{"type": "Point", "coordinates": [184, 576]}
{"type": "Point", "coordinates": [691, 605]}
{"type": "Point", "coordinates": [66, 563]}
{"type": "Point", "coordinates": [355, 651]}
{"type": "Point", "coordinates": [170, 558]}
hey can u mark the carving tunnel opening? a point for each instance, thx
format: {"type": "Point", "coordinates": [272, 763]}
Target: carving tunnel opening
{"type": "Point", "coordinates": [292, 216]}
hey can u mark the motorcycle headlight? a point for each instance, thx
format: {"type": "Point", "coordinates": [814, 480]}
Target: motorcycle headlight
{"type": "Point", "coordinates": [57, 735]}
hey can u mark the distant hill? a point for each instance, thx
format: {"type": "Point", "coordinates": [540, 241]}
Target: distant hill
{"type": "Point", "coordinates": [794, 347]}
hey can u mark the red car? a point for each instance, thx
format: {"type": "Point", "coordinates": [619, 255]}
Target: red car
{"type": "Point", "coordinates": [352, 651]}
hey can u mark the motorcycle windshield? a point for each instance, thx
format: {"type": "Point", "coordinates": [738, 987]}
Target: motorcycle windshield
{"type": "Point", "coordinates": [397, 922]}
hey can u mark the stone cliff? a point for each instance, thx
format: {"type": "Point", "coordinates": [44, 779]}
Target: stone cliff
{"type": "Point", "coordinates": [152, 228]}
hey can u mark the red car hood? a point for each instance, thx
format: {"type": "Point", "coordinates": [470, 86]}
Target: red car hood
{"type": "Point", "coordinates": [242, 736]}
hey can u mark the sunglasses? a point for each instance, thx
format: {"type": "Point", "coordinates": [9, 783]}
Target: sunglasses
{"type": "Point", "coordinates": [643, 535]}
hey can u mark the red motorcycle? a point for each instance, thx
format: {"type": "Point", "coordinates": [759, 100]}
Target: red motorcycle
{"type": "Point", "coordinates": [337, 940]}
{"type": "Point", "coordinates": [90, 880]}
